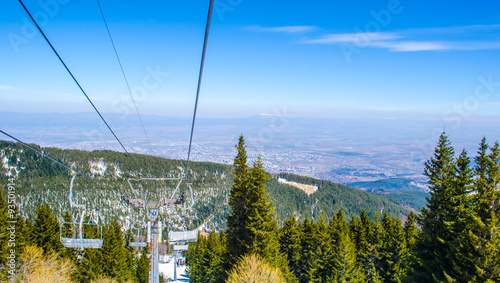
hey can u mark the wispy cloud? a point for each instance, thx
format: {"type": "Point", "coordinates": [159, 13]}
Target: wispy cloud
{"type": "Point", "coordinates": [407, 46]}
{"type": "Point", "coordinates": [283, 29]}
{"type": "Point", "coordinates": [455, 30]}
{"type": "Point", "coordinates": [7, 87]}
{"type": "Point", "coordinates": [475, 37]}
{"type": "Point", "coordinates": [361, 38]}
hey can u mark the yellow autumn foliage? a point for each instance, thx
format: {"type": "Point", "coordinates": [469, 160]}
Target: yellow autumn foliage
{"type": "Point", "coordinates": [253, 269]}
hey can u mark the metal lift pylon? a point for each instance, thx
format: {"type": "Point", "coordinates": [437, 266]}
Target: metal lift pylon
{"type": "Point", "coordinates": [154, 209]}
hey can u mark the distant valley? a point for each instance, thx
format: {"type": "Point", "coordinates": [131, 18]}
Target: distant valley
{"type": "Point", "coordinates": [346, 151]}
{"type": "Point", "coordinates": [38, 180]}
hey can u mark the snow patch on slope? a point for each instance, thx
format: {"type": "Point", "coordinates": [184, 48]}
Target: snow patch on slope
{"type": "Point", "coordinates": [98, 166]}
{"type": "Point", "coordinates": [8, 169]}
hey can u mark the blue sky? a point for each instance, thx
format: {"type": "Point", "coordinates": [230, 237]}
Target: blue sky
{"type": "Point", "coordinates": [370, 59]}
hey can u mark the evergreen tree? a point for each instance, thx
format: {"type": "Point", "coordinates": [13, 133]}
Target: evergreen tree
{"type": "Point", "coordinates": [482, 184]}
{"type": "Point", "coordinates": [216, 251]}
{"type": "Point", "coordinates": [488, 267]}
{"type": "Point", "coordinates": [142, 267]}
{"type": "Point", "coordinates": [114, 253]}
{"type": "Point", "coordinates": [436, 234]}
{"type": "Point", "coordinates": [132, 255]}
{"type": "Point", "coordinates": [390, 249]}
{"type": "Point", "coordinates": [252, 225]}
{"type": "Point", "coordinates": [487, 206]}
{"type": "Point", "coordinates": [4, 236]}
{"type": "Point", "coordinates": [410, 234]}
{"type": "Point", "coordinates": [344, 265]}
{"type": "Point", "coordinates": [290, 244]}
{"type": "Point", "coordinates": [91, 265]}
{"type": "Point", "coordinates": [46, 230]}
{"type": "Point", "coordinates": [464, 224]}
{"type": "Point", "coordinates": [308, 246]}
{"type": "Point", "coordinates": [320, 265]}
{"type": "Point", "coordinates": [365, 238]}
{"type": "Point", "coordinates": [262, 222]}
{"type": "Point", "coordinates": [238, 234]}
{"type": "Point", "coordinates": [68, 230]}
{"type": "Point", "coordinates": [198, 260]}
{"type": "Point", "coordinates": [23, 237]}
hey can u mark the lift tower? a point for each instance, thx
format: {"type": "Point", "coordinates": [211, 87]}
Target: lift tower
{"type": "Point", "coordinates": [154, 208]}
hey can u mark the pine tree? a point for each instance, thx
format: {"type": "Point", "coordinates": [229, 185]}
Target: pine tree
{"type": "Point", "coordinates": [436, 235]}
{"type": "Point", "coordinates": [372, 269]}
{"type": "Point", "coordinates": [198, 260]}
{"type": "Point", "coordinates": [482, 184]}
{"type": "Point", "coordinates": [132, 255]}
{"type": "Point", "coordinates": [316, 266]}
{"type": "Point", "coordinates": [410, 234]}
{"type": "Point", "coordinates": [91, 265]}
{"type": "Point", "coordinates": [390, 249]}
{"type": "Point", "coordinates": [344, 265]}
{"type": "Point", "coordinates": [262, 218]}
{"type": "Point", "coordinates": [114, 253]}
{"type": "Point", "coordinates": [365, 239]}
{"type": "Point", "coordinates": [46, 230]}
{"type": "Point", "coordinates": [308, 245]}
{"type": "Point", "coordinates": [142, 267]}
{"type": "Point", "coordinates": [68, 230]}
{"type": "Point", "coordinates": [4, 236]}
{"type": "Point", "coordinates": [252, 225]}
{"type": "Point", "coordinates": [290, 244]}
{"type": "Point", "coordinates": [487, 206]}
{"type": "Point", "coordinates": [359, 231]}
{"type": "Point", "coordinates": [23, 237]}
{"type": "Point", "coordinates": [464, 224]}
{"type": "Point", "coordinates": [216, 252]}
{"type": "Point", "coordinates": [238, 234]}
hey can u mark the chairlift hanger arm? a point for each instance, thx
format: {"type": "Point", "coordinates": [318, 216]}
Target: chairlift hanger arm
{"type": "Point", "coordinates": [71, 202]}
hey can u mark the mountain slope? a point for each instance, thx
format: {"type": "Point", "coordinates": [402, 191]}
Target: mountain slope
{"type": "Point", "coordinates": [403, 191]}
{"type": "Point", "coordinates": [39, 180]}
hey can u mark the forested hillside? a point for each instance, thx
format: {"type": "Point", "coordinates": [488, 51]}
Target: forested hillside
{"type": "Point", "coordinates": [39, 180]}
{"type": "Point", "coordinates": [456, 238]}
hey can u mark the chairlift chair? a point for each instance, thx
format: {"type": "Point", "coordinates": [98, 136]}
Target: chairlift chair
{"type": "Point", "coordinates": [137, 244]}
{"type": "Point", "coordinates": [164, 201]}
{"type": "Point", "coordinates": [78, 241]}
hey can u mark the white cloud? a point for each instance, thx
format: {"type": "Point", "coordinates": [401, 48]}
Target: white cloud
{"type": "Point", "coordinates": [358, 38]}
{"type": "Point", "coordinates": [408, 46]}
{"type": "Point", "coordinates": [454, 30]}
{"type": "Point", "coordinates": [406, 41]}
{"type": "Point", "coordinates": [283, 29]}
{"type": "Point", "coordinates": [7, 87]}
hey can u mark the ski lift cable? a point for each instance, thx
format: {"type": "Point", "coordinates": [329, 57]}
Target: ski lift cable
{"type": "Point", "coordinates": [124, 76]}
{"type": "Point", "coordinates": [76, 81]}
{"type": "Point", "coordinates": [207, 29]}
{"type": "Point", "coordinates": [64, 165]}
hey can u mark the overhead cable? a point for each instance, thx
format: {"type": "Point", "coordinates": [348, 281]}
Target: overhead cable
{"type": "Point", "coordinates": [207, 29]}
{"type": "Point", "coordinates": [124, 76]}
{"type": "Point", "coordinates": [75, 80]}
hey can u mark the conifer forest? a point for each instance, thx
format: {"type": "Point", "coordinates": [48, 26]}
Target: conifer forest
{"type": "Point", "coordinates": [454, 238]}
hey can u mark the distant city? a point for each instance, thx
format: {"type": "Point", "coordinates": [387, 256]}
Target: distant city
{"type": "Point", "coordinates": [342, 151]}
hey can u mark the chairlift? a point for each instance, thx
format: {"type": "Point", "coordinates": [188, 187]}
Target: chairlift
{"type": "Point", "coordinates": [162, 201]}
{"type": "Point", "coordinates": [78, 239]}
{"type": "Point", "coordinates": [182, 198]}
{"type": "Point", "coordinates": [137, 244]}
